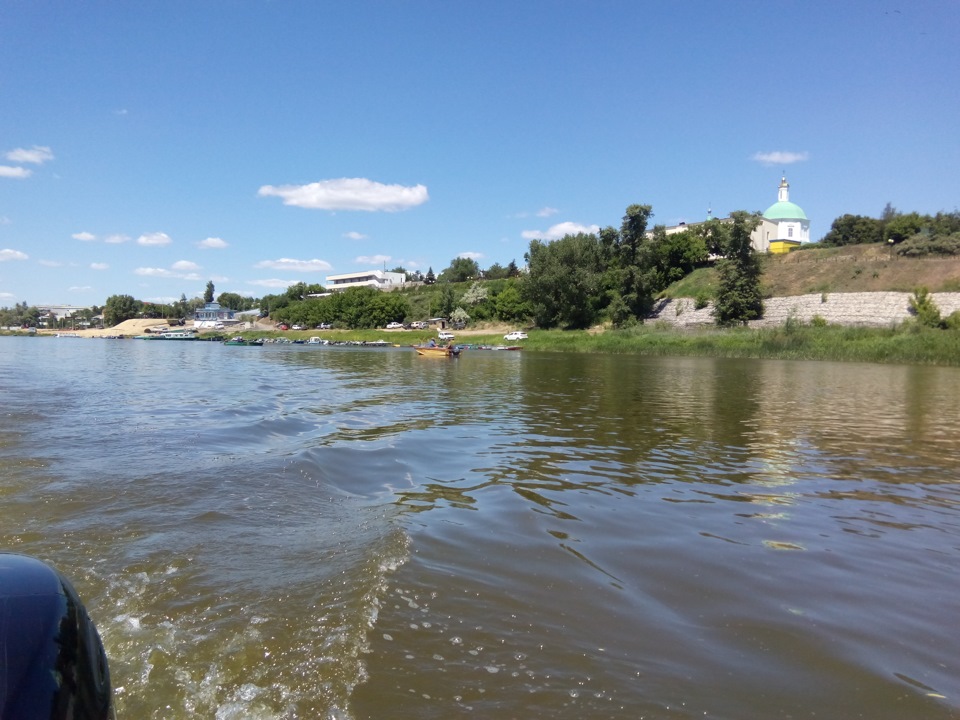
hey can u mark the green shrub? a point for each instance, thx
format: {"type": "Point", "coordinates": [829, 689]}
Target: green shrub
{"type": "Point", "coordinates": [701, 300]}
{"type": "Point", "coordinates": [818, 321]}
{"type": "Point", "coordinates": [923, 307]}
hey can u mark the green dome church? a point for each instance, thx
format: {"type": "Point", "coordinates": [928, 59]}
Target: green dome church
{"type": "Point", "coordinates": [784, 225]}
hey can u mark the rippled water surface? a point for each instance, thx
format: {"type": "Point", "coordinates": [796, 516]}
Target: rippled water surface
{"type": "Point", "coordinates": [316, 532]}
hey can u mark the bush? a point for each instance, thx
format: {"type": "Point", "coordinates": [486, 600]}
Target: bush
{"type": "Point", "coordinates": [923, 244]}
{"type": "Point", "coordinates": [818, 321]}
{"type": "Point", "coordinates": [923, 307]}
{"type": "Point", "coordinates": [701, 300]}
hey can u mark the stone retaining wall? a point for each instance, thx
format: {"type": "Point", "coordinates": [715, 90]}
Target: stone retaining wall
{"type": "Point", "coordinates": [874, 309]}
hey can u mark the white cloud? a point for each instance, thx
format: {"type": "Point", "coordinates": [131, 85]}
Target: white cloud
{"type": "Point", "coordinates": [8, 254]}
{"type": "Point", "coordinates": [355, 236]}
{"type": "Point", "coordinates": [154, 272]}
{"type": "Point", "coordinates": [6, 295]}
{"type": "Point", "coordinates": [291, 265]}
{"type": "Point", "coordinates": [50, 263]}
{"type": "Point", "coordinates": [547, 212]}
{"type": "Point", "coordinates": [372, 259]}
{"type": "Point", "coordinates": [349, 194]}
{"type": "Point", "coordinates": [99, 266]}
{"type": "Point", "coordinates": [84, 236]}
{"type": "Point", "coordinates": [274, 283]}
{"type": "Point", "coordinates": [470, 255]}
{"type": "Point", "coordinates": [4, 220]}
{"type": "Point", "coordinates": [79, 288]}
{"type": "Point", "coordinates": [116, 239]}
{"type": "Point", "coordinates": [156, 238]}
{"type": "Point", "coordinates": [555, 232]}
{"type": "Point", "coordinates": [780, 157]}
{"type": "Point", "coordinates": [14, 172]}
{"type": "Point", "coordinates": [213, 243]}
{"type": "Point", "coordinates": [164, 273]}
{"type": "Point", "coordinates": [36, 155]}
{"type": "Point", "coordinates": [185, 265]}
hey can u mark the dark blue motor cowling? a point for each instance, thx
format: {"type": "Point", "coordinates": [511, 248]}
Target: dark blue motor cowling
{"type": "Point", "coordinates": [52, 662]}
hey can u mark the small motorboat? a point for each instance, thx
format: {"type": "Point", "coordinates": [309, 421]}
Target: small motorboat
{"type": "Point", "coordinates": [451, 351]}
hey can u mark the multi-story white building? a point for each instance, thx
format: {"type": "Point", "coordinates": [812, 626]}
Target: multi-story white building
{"type": "Point", "coordinates": [379, 279]}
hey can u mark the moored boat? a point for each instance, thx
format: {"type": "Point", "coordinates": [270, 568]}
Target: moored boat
{"type": "Point", "coordinates": [239, 340]}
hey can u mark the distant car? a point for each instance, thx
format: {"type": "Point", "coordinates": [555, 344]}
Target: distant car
{"type": "Point", "coordinates": [324, 326]}
{"type": "Point", "coordinates": [394, 326]}
{"type": "Point", "coordinates": [299, 327]}
{"type": "Point", "coordinates": [282, 326]}
{"type": "Point", "coordinates": [444, 335]}
{"type": "Point", "coordinates": [515, 335]}
{"type": "Point", "coordinates": [418, 325]}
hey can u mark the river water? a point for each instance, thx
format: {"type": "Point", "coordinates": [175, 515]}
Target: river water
{"type": "Point", "coordinates": [321, 532]}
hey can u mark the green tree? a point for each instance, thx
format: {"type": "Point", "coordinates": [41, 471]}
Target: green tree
{"type": "Point", "coordinates": [445, 301]}
{"type": "Point", "coordinates": [906, 226]}
{"type": "Point", "coordinates": [854, 230]}
{"type": "Point", "coordinates": [232, 301]}
{"type": "Point", "coordinates": [461, 269]}
{"type": "Point", "coordinates": [738, 295]}
{"type": "Point", "coordinates": [923, 307]}
{"type": "Point", "coordinates": [496, 272]}
{"type": "Point", "coordinates": [565, 283]}
{"type": "Point", "coordinates": [631, 274]}
{"type": "Point", "coordinates": [119, 308]}
{"type": "Point", "coordinates": [673, 257]}
{"type": "Point", "coordinates": [429, 278]}
{"type": "Point", "coordinates": [209, 292]}
{"type": "Point", "coordinates": [509, 304]}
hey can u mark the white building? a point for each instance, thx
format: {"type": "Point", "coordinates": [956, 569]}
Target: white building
{"type": "Point", "coordinates": [783, 225]}
{"type": "Point", "coordinates": [379, 279]}
{"type": "Point", "coordinates": [212, 317]}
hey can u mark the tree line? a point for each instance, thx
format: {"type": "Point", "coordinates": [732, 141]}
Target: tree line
{"type": "Point", "coordinates": [576, 281]}
{"type": "Point", "coordinates": [913, 234]}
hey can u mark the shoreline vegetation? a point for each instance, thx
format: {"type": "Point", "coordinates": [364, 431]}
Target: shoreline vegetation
{"type": "Point", "coordinates": [906, 343]}
{"type": "Point", "coordinates": [821, 303]}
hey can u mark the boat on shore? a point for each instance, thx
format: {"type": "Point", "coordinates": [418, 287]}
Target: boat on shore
{"type": "Point", "coordinates": [239, 340]}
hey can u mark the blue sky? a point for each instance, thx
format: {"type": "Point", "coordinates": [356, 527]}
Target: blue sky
{"type": "Point", "coordinates": [148, 147]}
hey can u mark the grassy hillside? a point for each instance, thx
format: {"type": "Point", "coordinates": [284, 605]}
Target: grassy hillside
{"type": "Point", "coordinates": [855, 268]}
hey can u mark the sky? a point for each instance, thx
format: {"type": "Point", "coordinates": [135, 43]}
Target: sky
{"type": "Point", "coordinates": [149, 147]}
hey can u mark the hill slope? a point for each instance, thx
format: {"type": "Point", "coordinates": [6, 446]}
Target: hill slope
{"type": "Point", "coordinates": [855, 268]}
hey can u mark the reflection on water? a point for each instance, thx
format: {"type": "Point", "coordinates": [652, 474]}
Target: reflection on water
{"type": "Point", "coordinates": [336, 532]}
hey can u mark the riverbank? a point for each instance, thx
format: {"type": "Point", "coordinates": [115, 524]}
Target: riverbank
{"type": "Point", "coordinates": [858, 309]}
{"type": "Point", "coordinates": [860, 327]}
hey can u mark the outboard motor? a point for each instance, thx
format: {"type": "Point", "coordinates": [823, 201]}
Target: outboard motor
{"type": "Point", "coordinates": [52, 662]}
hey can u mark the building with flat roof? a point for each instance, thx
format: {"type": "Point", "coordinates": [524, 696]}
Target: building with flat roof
{"type": "Point", "coordinates": [212, 316]}
{"type": "Point", "coordinates": [379, 279]}
{"type": "Point", "coordinates": [60, 311]}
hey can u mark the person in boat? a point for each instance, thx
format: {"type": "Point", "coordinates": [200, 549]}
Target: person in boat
{"type": "Point", "coordinates": [432, 343]}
